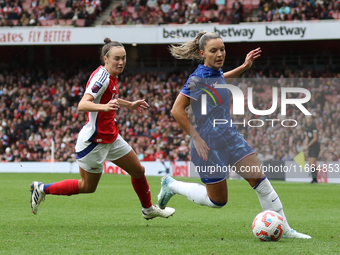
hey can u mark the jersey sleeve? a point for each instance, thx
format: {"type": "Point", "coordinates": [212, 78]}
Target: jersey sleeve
{"type": "Point", "coordinates": [98, 84]}
{"type": "Point", "coordinates": [314, 129]}
{"type": "Point", "coordinates": [191, 88]}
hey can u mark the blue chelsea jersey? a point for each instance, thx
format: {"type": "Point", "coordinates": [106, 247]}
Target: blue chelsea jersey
{"type": "Point", "coordinates": [202, 82]}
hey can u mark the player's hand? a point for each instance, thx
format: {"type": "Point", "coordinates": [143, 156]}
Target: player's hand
{"type": "Point", "coordinates": [112, 105]}
{"type": "Point", "coordinates": [139, 105]}
{"type": "Point", "coordinates": [251, 56]}
{"type": "Point", "coordinates": [201, 147]}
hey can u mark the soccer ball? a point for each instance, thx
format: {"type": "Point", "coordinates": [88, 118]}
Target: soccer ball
{"type": "Point", "coordinates": [268, 226]}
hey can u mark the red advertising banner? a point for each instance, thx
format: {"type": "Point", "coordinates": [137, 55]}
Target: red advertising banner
{"type": "Point", "coordinates": [180, 168]}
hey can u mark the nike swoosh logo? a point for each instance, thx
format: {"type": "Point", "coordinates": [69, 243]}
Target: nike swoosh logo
{"type": "Point", "coordinates": [275, 199]}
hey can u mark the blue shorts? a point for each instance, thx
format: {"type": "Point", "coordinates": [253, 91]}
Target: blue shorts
{"type": "Point", "coordinates": [220, 160]}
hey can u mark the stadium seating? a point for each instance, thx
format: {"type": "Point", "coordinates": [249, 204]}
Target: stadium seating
{"type": "Point", "coordinates": [250, 8]}
{"type": "Point", "coordinates": [67, 19]}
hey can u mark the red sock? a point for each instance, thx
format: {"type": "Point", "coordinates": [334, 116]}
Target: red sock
{"type": "Point", "coordinates": [67, 187]}
{"type": "Point", "coordinates": [142, 189]}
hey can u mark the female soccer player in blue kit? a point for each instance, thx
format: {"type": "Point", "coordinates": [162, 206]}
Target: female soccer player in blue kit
{"type": "Point", "coordinates": [215, 146]}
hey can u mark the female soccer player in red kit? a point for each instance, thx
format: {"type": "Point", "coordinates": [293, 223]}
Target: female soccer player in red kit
{"type": "Point", "coordinates": [99, 139]}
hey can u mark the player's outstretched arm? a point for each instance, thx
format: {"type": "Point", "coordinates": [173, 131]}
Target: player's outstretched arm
{"type": "Point", "coordinates": [86, 105]}
{"type": "Point", "coordinates": [248, 62]}
{"type": "Point", "coordinates": [135, 105]}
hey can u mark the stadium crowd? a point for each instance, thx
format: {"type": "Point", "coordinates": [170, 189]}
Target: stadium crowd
{"type": "Point", "coordinates": [293, 10]}
{"type": "Point", "coordinates": [41, 12]}
{"type": "Point", "coordinates": [38, 106]}
{"type": "Point", "coordinates": [131, 12]}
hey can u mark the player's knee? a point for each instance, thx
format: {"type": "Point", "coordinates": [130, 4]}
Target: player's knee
{"type": "Point", "coordinates": [254, 181]}
{"type": "Point", "coordinates": [219, 204]}
{"type": "Point", "coordinates": [89, 189]}
{"type": "Point", "coordinates": [83, 188]}
{"type": "Point", "coordinates": [142, 170]}
{"type": "Point", "coordinates": [138, 173]}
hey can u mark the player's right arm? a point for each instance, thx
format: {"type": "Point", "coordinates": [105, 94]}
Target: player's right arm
{"type": "Point", "coordinates": [178, 111]}
{"type": "Point", "coordinates": [248, 62]}
{"type": "Point", "coordinates": [96, 86]}
{"type": "Point", "coordinates": [86, 104]}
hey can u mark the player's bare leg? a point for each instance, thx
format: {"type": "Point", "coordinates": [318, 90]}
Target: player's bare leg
{"type": "Point", "coordinates": [218, 192]}
{"type": "Point", "coordinates": [131, 164]}
{"type": "Point", "coordinates": [87, 184]}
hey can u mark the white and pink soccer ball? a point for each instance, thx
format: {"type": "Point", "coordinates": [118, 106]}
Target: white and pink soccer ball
{"type": "Point", "coordinates": [268, 226]}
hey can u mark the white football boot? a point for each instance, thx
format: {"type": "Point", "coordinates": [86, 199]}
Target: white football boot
{"type": "Point", "coordinates": [294, 234]}
{"type": "Point", "coordinates": [37, 196]}
{"type": "Point", "coordinates": [155, 211]}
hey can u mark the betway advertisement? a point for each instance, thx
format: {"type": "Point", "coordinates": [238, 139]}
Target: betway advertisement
{"type": "Point", "coordinates": [266, 31]}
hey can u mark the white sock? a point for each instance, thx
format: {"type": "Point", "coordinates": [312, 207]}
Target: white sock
{"type": "Point", "coordinates": [195, 192]}
{"type": "Point", "coordinates": [269, 199]}
{"type": "Point", "coordinates": [41, 188]}
{"type": "Point", "coordinates": [147, 210]}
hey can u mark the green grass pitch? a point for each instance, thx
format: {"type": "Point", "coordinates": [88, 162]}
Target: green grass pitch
{"type": "Point", "coordinates": [109, 221]}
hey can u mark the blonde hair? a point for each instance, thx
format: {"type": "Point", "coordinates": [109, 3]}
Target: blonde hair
{"type": "Point", "coordinates": [191, 49]}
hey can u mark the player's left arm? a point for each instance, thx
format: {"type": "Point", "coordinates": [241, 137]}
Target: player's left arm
{"type": "Point", "coordinates": [248, 62]}
{"type": "Point", "coordinates": [135, 105]}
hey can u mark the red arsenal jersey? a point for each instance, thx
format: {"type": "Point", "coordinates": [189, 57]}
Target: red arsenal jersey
{"type": "Point", "coordinates": [101, 127]}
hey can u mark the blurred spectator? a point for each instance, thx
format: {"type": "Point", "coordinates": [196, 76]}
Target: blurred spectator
{"type": "Point", "coordinates": [16, 11]}
{"type": "Point", "coordinates": [118, 20]}
{"type": "Point", "coordinates": [213, 18]}
{"type": "Point", "coordinates": [8, 155]}
{"type": "Point", "coordinates": [152, 4]}
{"type": "Point", "coordinates": [238, 12]}
{"type": "Point", "coordinates": [285, 9]}
{"type": "Point", "coordinates": [24, 21]}
{"type": "Point", "coordinates": [130, 21]}
{"type": "Point", "coordinates": [202, 18]}
{"type": "Point", "coordinates": [165, 7]}
{"type": "Point", "coordinates": [58, 13]}
{"type": "Point", "coordinates": [183, 151]}
{"type": "Point", "coordinates": [294, 4]}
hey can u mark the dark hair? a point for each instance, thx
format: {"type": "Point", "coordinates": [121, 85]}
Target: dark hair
{"type": "Point", "coordinates": [107, 47]}
{"type": "Point", "coordinates": [191, 49]}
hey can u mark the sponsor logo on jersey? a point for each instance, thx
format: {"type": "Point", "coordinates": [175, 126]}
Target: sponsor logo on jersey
{"type": "Point", "coordinates": [96, 87]}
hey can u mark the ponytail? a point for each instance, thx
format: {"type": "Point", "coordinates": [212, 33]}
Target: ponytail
{"type": "Point", "coordinates": [191, 49]}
